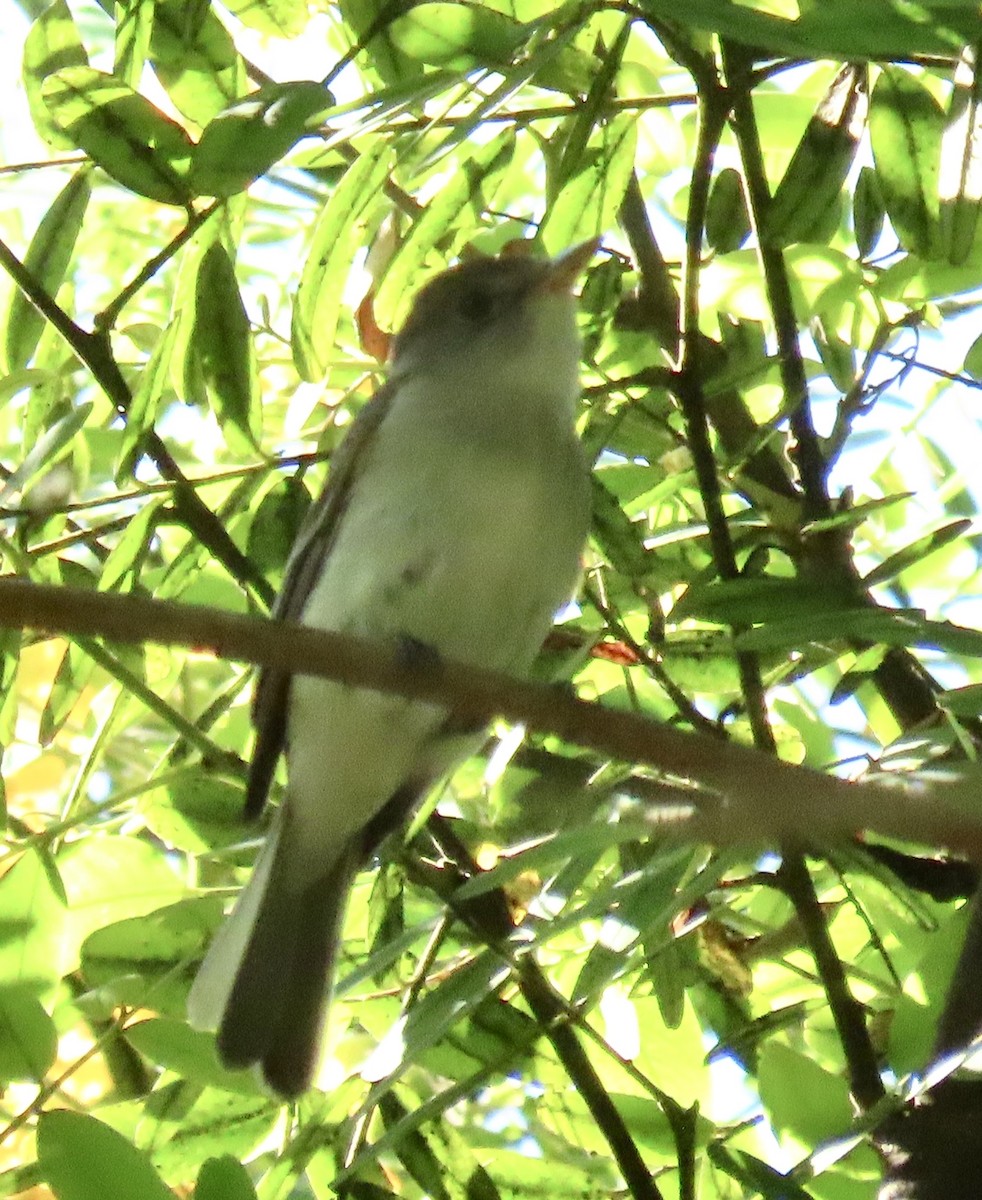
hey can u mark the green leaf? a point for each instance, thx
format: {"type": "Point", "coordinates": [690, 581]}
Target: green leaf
{"type": "Point", "coordinates": [152, 384]}
{"type": "Point", "coordinates": [727, 219]}
{"type": "Point", "coordinates": [973, 359]}
{"type": "Point", "coordinates": [892, 566]}
{"type": "Point", "coordinates": [223, 346]}
{"type": "Point", "coordinates": [821, 162]}
{"type": "Point", "coordinates": [414, 1150]}
{"type": "Point", "coordinates": [457, 36]}
{"type": "Point", "coordinates": [172, 1043]}
{"type": "Point", "coordinates": [113, 878]}
{"type": "Point", "coordinates": [144, 959]}
{"type": "Point", "coordinates": [36, 943]}
{"type": "Point", "coordinates": [223, 1178]}
{"type": "Point", "coordinates": [868, 211]}
{"type": "Point", "coordinates": [180, 1137]}
{"type": "Point", "coordinates": [906, 125]}
{"type": "Point", "coordinates": [134, 24]}
{"type": "Point", "coordinates": [755, 1175]}
{"type": "Point", "coordinates": [834, 29]}
{"type": "Point", "coordinates": [51, 448]}
{"type": "Point", "coordinates": [374, 17]}
{"type": "Point", "coordinates": [892, 627]}
{"type": "Point", "coordinates": [922, 1000]}
{"type": "Point", "coordinates": [52, 44]}
{"type": "Point", "coordinates": [802, 1098]}
{"type": "Point", "coordinates": [749, 601]}
{"type": "Point", "coordinates": [196, 814]}
{"type": "Point", "coordinates": [589, 202]}
{"type": "Point", "coordinates": [195, 58]}
{"type": "Point", "coordinates": [276, 524]}
{"type": "Point", "coordinates": [337, 233]}
{"type": "Point", "coordinates": [962, 702]}
{"type": "Point", "coordinates": [122, 132]}
{"type": "Point", "coordinates": [276, 18]}
{"type": "Point", "coordinates": [620, 538]}
{"type": "Point", "coordinates": [28, 1038]}
{"type": "Point", "coordinates": [121, 570]}
{"type": "Point", "coordinates": [961, 161]}
{"type": "Point", "coordinates": [471, 186]}
{"type": "Point", "coordinates": [83, 1159]}
{"type": "Point", "coordinates": [47, 260]}
{"type": "Point", "coordinates": [244, 141]}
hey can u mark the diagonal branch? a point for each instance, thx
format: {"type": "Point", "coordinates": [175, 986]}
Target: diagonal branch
{"type": "Point", "coordinates": [748, 791]}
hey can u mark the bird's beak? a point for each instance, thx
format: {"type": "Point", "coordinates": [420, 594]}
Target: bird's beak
{"type": "Point", "coordinates": [564, 272]}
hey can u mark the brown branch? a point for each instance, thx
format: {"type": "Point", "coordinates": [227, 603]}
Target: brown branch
{"type": "Point", "coordinates": [758, 799]}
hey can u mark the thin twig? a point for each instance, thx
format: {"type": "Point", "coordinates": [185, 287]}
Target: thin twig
{"type": "Point", "coordinates": [850, 1024]}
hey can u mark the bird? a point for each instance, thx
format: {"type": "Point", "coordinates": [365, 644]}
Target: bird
{"type": "Point", "coordinates": [453, 521]}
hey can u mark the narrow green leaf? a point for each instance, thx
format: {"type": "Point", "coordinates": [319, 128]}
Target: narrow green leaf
{"type": "Point", "coordinates": [892, 627]}
{"type": "Point", "coordinates": [754, 1174]}
{"type": "Point", "coordinates": [28, 1038]}
{"type": "Point", "coordinates": [74, 672]}
{"type": "Point", "coordinates": [83, 1159]}
{"type": "Point", "coordinates": [962, 702]}
{"type": "Point", "coordinates": [335, 238]}
{"type": "Point", "coordinates": [838, 356]}
{"type": "Point", "coordinates": [414, 1150]}
{"type": "Point", "coordinates": [619, 537]}
{"type": "Point", "coordinates": [153, 951]}
{"type": "Point", "coordinates": [589, 202]}
{"type": "Point", "coordinates": [868, 211]}
{"type": "Point", "coordinates": [121, 131]}
{"type": "Point", "coordinates": [727, 219]}
{"type": "Point", "coordinates": [134, 25]}
{"type": "Point", "coordinates": [471, 186]}
{"type": "Point", "coordinates": [244, 141]}
{"type": "Point", "coordinates": [223, 346]}
{"type": "Point", "coordinates": [47, 259]}
{"type": "Point", "coordinates": [126, 557]}
{"type": "Point", "coordinates": [822, 159]}
{"type": "Point", "coordinates": [752, 600]}
{"type": "Point", "coordinates": [973, 359]}
{"type": "Point", "coordinates": [892, 566]}
{"type": "Point", "coordinates": [52, 447]}
{"type": "Point", "coordinates": [275, 526]}
{"type": "Point", "coordinates": [151, 385]}
{"type": "Point", "coordinates": [52, 44]}
{"type": "Point", "coordinates": [834, 29]}
{"type": "Point", "coordinates": [906, 125]}
{"type": "Point", "coordinates": [591, 113]}
{"type": "Point", "coordinates": [961, 161]}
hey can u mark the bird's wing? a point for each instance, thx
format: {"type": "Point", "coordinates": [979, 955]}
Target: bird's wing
{"type": "Point", "coordinates": [303, 569]}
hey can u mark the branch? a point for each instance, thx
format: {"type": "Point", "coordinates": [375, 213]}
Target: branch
{"type": "Point", "coordinates": [93, 351]}
{"type": "Point", "coordinates": [758, 799]}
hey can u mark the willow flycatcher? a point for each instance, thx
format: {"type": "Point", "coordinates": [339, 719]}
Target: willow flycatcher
{"type": "Point", "coordinates": [454, 517]}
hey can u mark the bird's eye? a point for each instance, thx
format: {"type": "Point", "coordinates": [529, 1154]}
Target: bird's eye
{"type": "Point", "coordinates": [477, 305]}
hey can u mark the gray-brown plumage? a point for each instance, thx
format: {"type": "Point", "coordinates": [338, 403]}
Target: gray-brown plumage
{"type": "Point", "coordinates": [454, 516]}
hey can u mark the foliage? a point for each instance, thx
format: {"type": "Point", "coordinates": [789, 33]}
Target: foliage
{"type": "Point", "coordinates": [784, 555]}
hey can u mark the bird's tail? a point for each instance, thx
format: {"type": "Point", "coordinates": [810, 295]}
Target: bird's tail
{"type": "Point", "coordinates": [264, 983]}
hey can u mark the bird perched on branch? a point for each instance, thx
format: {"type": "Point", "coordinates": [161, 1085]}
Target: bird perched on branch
{"type": "Point", "coordinates": [453, 519]}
